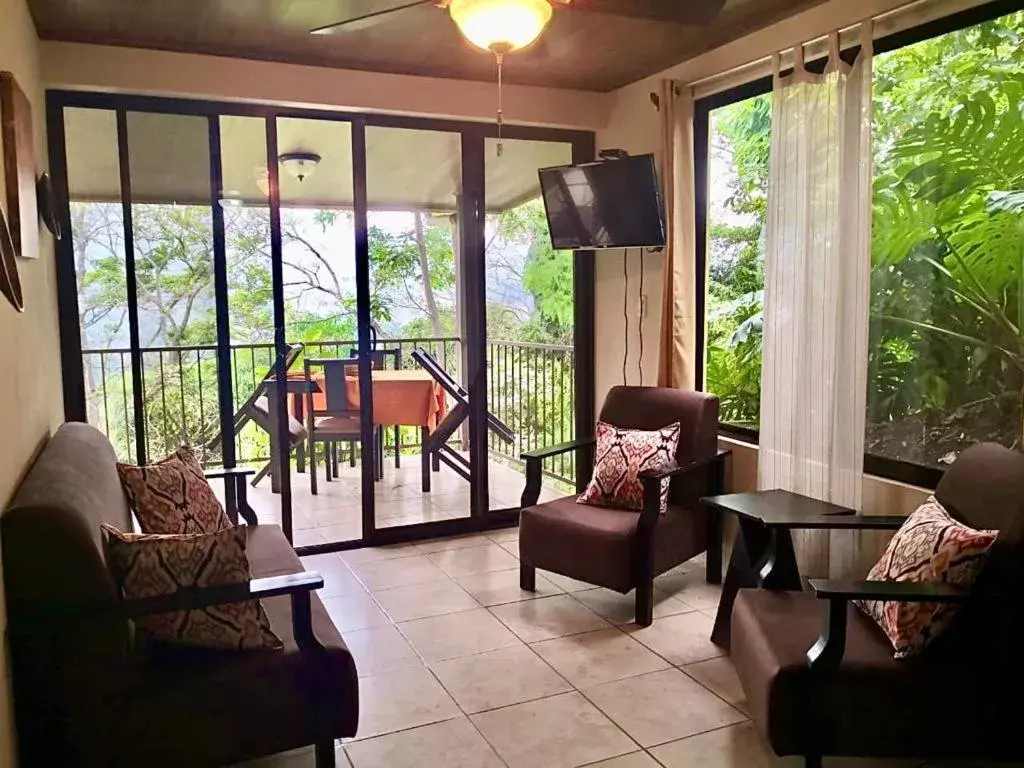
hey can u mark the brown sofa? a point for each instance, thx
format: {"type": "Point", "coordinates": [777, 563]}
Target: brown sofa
{"type": "Point", "coordinates": [619, 549]}
{"type": "Point", "coordinates": [820, 677]}
{"type": "Point", "coordinates": [86, 694]}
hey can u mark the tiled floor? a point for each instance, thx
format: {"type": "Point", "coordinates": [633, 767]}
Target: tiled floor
{"type": "Point", "coordinates": [459, 668]}
{"type": "Point", "coordinates": [335, 513]}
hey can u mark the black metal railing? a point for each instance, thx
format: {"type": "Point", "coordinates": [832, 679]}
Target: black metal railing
{"type": "Point", "coordinates": [530, 388]}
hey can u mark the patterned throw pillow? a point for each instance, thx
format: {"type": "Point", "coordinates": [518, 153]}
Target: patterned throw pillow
{"type": "Point", "coordinates": [148, 565]}
{"type": "Point", "coordinates": [622, 454]}
{"type": "Point", "coordinates": [929, 546]}
{"type": "Point", "coordinates": [172, 496]}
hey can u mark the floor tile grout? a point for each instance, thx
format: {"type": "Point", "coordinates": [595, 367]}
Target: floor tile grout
{"type": "Point", "coordinates": [573, 688]}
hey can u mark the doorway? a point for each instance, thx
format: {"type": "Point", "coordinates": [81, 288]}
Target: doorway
{"type": "Point", "coordinates": [216, 249]}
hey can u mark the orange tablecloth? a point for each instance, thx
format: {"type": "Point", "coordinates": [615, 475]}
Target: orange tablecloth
{"type": "Point", "coordinates": [407, 398]}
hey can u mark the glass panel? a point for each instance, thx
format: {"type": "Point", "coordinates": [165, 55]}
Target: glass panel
{"type": "Point", "coordinates": [530, 321]}
{"type": "Point", "coordinates": [169, 161]}
{"type": "Point", "coordinates": [413, 184]}
{"type": "Point", "coordinates": [244, 204]}
{"type": "Point", "coordinates": [947, 281]}
{"type": "Point", "coordinates": [739, 138]}
{"type": "Point", "coordinates": [318, 251]}
{"type": "Point", "coordinates": [97, 235]}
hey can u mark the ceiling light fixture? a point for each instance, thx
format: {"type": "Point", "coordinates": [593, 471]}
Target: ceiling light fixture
{"type": "Point", "coordinates": [500, 26]}
{"type": "Point", "coordinates": [300, 165]}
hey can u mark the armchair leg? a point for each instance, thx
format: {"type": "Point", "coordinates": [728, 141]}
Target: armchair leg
{"type": "Point", "coordinates": [324, 754]}
{"type": "Point", "coordinates": [527, 577]}
{"type": "Point", "coordinates": [812, 761]}
{"type": "Point", "coordinates": [645, 603]}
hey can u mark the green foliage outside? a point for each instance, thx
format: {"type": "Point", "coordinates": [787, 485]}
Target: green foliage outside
{"type": "Point", "coordinates": [947, 306]}
{"type": "Point", "coordinates": [413, 288]}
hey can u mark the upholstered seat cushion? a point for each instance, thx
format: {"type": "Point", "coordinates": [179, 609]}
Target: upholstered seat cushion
{"type": "Point", "coordinates": [595, 544]}
{"type": "Point", "coordinates": [933, 705]}
{"type": "Point", "coordinates": [346, 425]}
{"type": "Point", "coordinates": [218, 696]}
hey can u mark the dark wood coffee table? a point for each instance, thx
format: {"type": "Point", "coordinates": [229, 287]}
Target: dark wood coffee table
{"type": "Point", "coordinates": [762, 555]}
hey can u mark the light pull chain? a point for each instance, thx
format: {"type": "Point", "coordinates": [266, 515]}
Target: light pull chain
{"type": "Point", "coordinates": [501, 112]}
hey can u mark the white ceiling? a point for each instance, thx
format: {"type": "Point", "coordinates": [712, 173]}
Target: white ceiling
{"type": "Point", "coordinates": [407, 169]}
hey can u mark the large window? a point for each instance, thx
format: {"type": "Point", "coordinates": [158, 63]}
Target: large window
{"type": "Point", "coordinates": [946, 355]}
{"type": "Point", "coordinates": [739, 135]}
{"type": "Point", "coordinates": [947, 308]}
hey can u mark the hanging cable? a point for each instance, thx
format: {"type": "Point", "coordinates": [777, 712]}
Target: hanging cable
{"type": "Point", "coordinates": [625, 311]}
{"type": "Point", "coordinates": [640, 320]}
{"type": "Point", "coordinates": [501, 111]}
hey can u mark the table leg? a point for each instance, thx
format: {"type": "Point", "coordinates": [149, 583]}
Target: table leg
{"type": "Point", "coordinates": [713, 567]}
{"type": "Point", "coordinates": [751, 543]}
{"type": "Point", "coordinates": [425, 442]}
{"type": "Point", "coordinates": [779, 569]}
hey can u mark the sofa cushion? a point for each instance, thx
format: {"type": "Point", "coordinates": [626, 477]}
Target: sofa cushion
{"type": "Point", "coordinates": [149, 565]}
{"type": "Point", "coordinates": [929, 546]}
{"type": "Point", "coordinates": [874, 705]}
{"type": "Point", "coordinates": [172, 496]}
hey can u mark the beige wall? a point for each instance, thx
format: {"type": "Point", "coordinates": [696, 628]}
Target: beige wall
{"type": "Point", "coordinates": [30, 405]}
{"type": "Point", "coordinates": [137, 71]}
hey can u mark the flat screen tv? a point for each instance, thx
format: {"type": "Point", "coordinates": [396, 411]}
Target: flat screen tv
{"type": "Point", "coordinates": [610, 204]}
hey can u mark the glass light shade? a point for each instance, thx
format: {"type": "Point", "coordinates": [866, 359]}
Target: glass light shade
{"type": "Point", "coordinates": [501, 25]}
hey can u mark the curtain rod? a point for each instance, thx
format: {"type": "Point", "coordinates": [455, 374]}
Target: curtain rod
{"type": "Point", "coordinates": [885, 23]}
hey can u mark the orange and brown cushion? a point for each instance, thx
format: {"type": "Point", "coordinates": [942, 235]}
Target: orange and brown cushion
{"type": "Point", "coordinates": [622, 454]}
{"type": "Point", "coordinates": [150, 565]}
{"type": "Point", "coordinates": [930, 546]}
{"type": "Point", "coordinates": [172, 496]}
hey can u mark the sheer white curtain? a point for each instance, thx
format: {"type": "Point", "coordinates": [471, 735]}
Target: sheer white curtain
{"type": "Point", "coordinates": [817, 267]}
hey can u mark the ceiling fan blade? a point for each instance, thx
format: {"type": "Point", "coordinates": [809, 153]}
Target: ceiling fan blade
{"type": "Point", "coordinates": [329, 28]}
{"type": "Point", "coordinates": [693, 13]}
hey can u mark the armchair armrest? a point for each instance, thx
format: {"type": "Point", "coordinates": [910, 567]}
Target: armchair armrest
{"type": "Point", "coordinates": [534, 466]}
{"type": "Point", "coordinates": [895, 591]}
{"type": "Point", "coordinates": [556, 450]}
{"type": "Point", "coordinates": [672, 469]}
{"type": "Point", "coordinates": [201, 597]}
{"type": "Point", "coordinates": [225, 472]}
{"type": "Point", "coordinates": [828, 649]}
{"type": "Point", "coordinates": [236, 502]}
{"type": "Point", "coordinates": [301, 583]}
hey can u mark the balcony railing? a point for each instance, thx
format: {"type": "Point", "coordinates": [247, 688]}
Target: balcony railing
{"type": "Point", "coordinates": [531, 388]}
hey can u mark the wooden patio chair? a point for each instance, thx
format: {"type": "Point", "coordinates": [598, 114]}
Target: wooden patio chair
{"type": "Point", "coordinates": [378, 362]}
{"type": "Point", "coordinates": [257, 408]}
{"type": "Point", "coordinates": [338, 421]}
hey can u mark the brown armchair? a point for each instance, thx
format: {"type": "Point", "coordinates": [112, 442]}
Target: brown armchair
{"type": "Point", "coordinates": [820, 678]}
{"type": "Point", "coordinates": [623, 550]}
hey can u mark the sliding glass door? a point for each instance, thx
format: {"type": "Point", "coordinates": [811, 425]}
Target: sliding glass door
{"type": "Point", "coordinates": [531, 323]}
{"type": "Point", "coordinates": [217, 249]}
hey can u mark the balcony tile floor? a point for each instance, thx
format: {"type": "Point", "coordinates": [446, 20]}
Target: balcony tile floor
{"type": "Point", "coordinates": [461, 668]}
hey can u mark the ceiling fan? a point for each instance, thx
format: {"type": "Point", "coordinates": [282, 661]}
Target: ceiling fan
{"type": "Point", "coordinates": [505, 26]}
{"type": "Point", "coordinates": [508, 23]}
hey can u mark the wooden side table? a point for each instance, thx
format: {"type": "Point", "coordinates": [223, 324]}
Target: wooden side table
{"type": "Point", "coordinates": [763, 555]}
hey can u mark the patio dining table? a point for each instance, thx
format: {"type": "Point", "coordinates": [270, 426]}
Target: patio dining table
{"type": "Point", "coordinates": [408, 398]}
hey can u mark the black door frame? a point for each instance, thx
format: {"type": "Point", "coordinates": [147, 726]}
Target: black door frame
{"type": "Point", "coordinates": [472, 216]}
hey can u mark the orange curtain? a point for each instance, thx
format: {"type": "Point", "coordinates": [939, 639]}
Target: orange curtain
{"type": "Point", "coordinates": [676, 364]}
